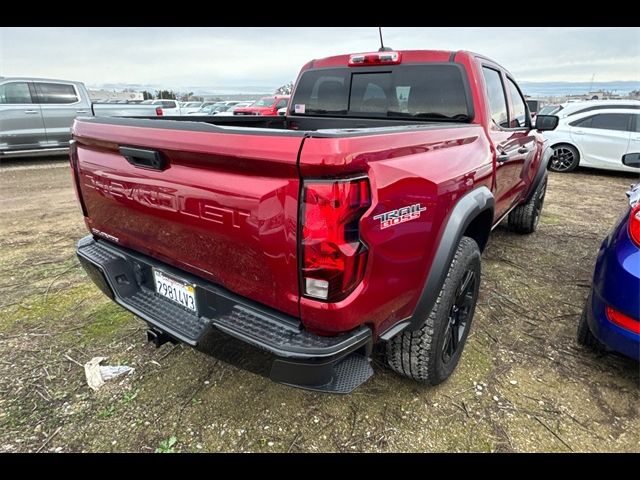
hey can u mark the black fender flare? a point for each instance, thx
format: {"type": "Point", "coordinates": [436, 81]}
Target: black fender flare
{"type": "Point", "coordinates": [540, 175]}
{"type": "Point", "coordinates": [468, 207]}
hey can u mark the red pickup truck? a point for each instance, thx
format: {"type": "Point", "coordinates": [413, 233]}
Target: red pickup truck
{"type": "Point", "coordinates": [264, 106]}
{"type": "Point", "coordinates": [359, 217]}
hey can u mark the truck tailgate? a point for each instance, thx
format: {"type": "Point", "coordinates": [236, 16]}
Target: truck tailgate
{"type": "Point", "coordinates": [224, 206]}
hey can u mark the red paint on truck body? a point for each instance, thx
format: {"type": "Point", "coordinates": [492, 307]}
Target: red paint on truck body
{"type": "Point", "coordinates": [227, 207]}
{"type": "Point", "coordinates": [224, 209]}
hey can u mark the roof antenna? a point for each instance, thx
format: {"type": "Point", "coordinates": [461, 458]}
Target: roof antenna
{"type": "Point", "coordinates": [382, 47]}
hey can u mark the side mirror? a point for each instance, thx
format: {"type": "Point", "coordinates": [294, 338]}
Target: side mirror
{"type": "Point", "coordinates": [546, 122]}
{"type": "Point", "coordinates": [631, 160]}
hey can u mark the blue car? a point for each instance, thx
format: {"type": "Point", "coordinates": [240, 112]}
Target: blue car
{"type": "Point", "coordinates": [611, 317]}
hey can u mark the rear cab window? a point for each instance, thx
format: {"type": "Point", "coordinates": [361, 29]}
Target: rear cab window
{"type": "Point", "coordinates": [421, 91]}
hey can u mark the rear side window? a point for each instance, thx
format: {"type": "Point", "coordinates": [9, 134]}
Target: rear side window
{"type": "Point", "coordinates": [497, 98]}
{"type": "Point", "coordinates": [15, 92]}
{"type": "Point", "coordinates": [430, 92]}
{"type": "Point", "coordinates": [56, 93]}
{"type": "Point", "coordinates": [519, 113]}
{"type": "Point", "coordinates": [606, 121]}
{"type": "Point", "coordinates": [282, 103]}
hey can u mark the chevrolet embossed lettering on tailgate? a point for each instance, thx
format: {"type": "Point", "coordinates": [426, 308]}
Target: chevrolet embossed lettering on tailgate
{"type": "Point", "coordinates": [224, 207]}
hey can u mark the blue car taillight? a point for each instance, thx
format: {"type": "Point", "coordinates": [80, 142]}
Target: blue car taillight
{"type": "Point", "coordinates": [634, 224]}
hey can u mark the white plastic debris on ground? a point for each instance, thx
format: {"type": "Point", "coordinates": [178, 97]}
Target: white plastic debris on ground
{"type": "Point", "coordinates": [98, 374]}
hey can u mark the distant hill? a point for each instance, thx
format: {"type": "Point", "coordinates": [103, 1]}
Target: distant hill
{"type": "Point", "coordinates": [552, 89]}
{"type": "Point", "coordinates": [197, 90]}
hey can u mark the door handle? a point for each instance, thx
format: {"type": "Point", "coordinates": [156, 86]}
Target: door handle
{"type": "Point", "coordinates": [30, 111]}
{"type": "Point", "coordinates": [523, 150]}
{"type": "Point", "coordinates": [82, 111]}
{"type": "Point", "coordinates": [578, 132]}
{"type": "Point", "coordinates": [637, 139]}
{"type": "Point", "coordinates": [502, 157]}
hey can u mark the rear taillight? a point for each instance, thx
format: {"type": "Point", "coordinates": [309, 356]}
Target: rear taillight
{"type": "Point", "coordinates": [75, 170]}
{"type": "Point", "coordinates": [333, 256]}
{"type": "Point", "coordinates": [634, 224]}
{"type": "Point", "coordinates": [159, 111]}
{"type": "Point", "coordinates": [623, 320]}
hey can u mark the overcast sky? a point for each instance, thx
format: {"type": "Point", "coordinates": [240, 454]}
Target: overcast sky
{"type": "Point", "coordinates": [181, 57]}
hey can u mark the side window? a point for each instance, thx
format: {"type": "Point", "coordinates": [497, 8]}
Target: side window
{"type": "Point", "coordinates": [606, 121]}
{"type": "Point", "coordinates": [56, 93]}
{"type": "Point", "coordinates": [519, 111]}
{"type": "Point", "coordinates": [169, 105]}
{"type": "Point", "coordinates": [497, 99]}
{"type": "Point", "coordinates": [282, 103]}
{"type": "Point", "coordinates": [637, 123]}
{"type": "Point", "coordinates": [15, 92]}
{"type": "Point", "coordinates": [612, 121]}
{"type": "Point", "coordinates": [583, 122]}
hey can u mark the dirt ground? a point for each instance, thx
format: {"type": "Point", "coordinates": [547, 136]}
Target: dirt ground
{"type": "Point", "coordinates": [522, 384]}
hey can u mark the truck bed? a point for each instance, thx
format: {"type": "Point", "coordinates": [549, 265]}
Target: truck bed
{"type": "Point", "coordinates": [225, 205]}
{"type": "Point", "coordinates": [319, 127]}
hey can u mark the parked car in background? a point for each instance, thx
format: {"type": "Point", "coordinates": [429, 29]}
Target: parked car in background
{"type": "Point", "coordinates": [568, 109]}
{"type": "Point", "coordinates": [228, 110]}
{"type": "Point", "coordinates": [611, 316]}
{"type": "Point", "coordinates": [204, 111]}
{"type": "Point", "coordinates": [188, 107]}
{"type": "Point", "coordinates": [171, 108]}
{"type": "Point", "coordinates": [534, 106]}
{"type": "Point", "coordinates": [36, 114]}
{"type": "Point", "coordinates": [549, 109]}
{"type": "Point", "coordinates": [595, 137]}
{"type": "Point", "coordinates": [211, 108]}
{"type": "Point", "coordinates": [265, 106]}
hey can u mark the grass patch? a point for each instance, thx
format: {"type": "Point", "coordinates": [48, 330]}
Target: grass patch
{"type": "Point", "coordinates": [106, 321]}
{"type": "Point", "coordinates": [550, 219]}
{"type": "Point", "coordinates": [166, 446]}
{"type": "Point", "coordinates": [46, 309]}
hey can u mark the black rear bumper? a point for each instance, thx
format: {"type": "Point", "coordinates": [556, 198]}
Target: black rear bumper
{"type": "Point", "coordinates": [333, 364]}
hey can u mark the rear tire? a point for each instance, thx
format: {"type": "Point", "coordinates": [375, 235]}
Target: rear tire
{"type": "Point", "coordinates": [431, 353]}
{"type": "Point", "coordinates": [565, 158]}
{"type": "Point", "coordinates": [524, 218]}
{"type": "Point", "coordinates": [585, 337]}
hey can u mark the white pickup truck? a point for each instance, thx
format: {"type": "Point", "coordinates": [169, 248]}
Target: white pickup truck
{"type": "Point", "coordinates": [36, 114]}
{"type": "Point", "coordinates": [170, 108]}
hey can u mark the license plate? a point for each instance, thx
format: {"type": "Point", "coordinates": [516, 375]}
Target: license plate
{"type": "Point", "coordinates": [176, 290]}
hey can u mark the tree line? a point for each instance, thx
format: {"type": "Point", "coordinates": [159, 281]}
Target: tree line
{"type": "Point", "coordinates": [189, 96]}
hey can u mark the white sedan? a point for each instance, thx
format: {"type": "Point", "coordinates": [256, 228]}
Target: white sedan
{"type": "Point", "coordinates": [595, 138]}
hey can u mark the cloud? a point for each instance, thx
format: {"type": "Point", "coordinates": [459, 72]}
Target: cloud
{"type": "Point", "coordinates": [181, 57]}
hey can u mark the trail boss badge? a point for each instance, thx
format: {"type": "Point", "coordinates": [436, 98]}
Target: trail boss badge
{"type": "Point", "coordinates": [401, 215]}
